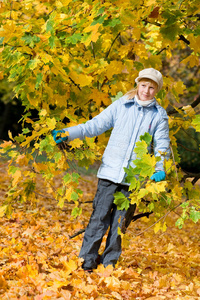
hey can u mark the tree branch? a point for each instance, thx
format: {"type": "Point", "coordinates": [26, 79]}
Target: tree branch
{"type": "Point", "coordinates": [75, 83]}
{"type": "Point", "coordinates": [107, 54]}
{"type": "Point", "coordinates": [193, 105]}
{"type": "Point", "coordinates": [92, 46]}
{"type": "Point", "coordinates": [11, 9]}
{"type": "Point", "coordinates": [181, 37]}
{"type": "Point", "coordinates": [187, 149]}
{"type": "Point", "coordinates": [174, 163]}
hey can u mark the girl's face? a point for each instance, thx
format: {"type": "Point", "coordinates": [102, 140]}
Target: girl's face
{"type": "Point", "coordinates": [146, 90]}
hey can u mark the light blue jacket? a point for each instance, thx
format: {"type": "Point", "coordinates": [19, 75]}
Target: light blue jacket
{"type": "Point", "coordinates": [129, 121]}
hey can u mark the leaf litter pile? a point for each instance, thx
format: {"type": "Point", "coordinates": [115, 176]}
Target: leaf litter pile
{"type": "Point", "coordinates": [38, 260]}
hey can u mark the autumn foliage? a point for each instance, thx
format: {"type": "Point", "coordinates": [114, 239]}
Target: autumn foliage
{"type": "Point", "coordinates": [68, 60]}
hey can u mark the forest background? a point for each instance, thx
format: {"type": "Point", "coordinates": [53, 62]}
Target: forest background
{"type": "Point", "coordinates": [63, 62]}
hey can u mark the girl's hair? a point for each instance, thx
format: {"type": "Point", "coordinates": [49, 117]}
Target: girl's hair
{"type": "Point", "coordinates": [131, 94]}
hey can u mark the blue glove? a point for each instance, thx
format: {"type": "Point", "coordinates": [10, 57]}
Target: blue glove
{"type": "Point", "coordinates": [60, 140]}
{"type": "Point", "coordinates": [158, 176]}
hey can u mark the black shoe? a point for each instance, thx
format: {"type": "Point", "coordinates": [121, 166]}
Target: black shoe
{"type": "Point", "coordinates": [87, 268]}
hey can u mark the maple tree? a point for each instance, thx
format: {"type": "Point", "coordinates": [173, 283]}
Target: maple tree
{"type": "Point", "coordinates": [70, 59]}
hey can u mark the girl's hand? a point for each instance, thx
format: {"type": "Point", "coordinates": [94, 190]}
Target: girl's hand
{"type": "Point", "coordinates": [158, 176]}
{"type": "Point", "coordinates": [61, 139]}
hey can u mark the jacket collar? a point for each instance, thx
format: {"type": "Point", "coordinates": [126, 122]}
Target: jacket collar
{"type": "Point", "coordinates": [126, 100]}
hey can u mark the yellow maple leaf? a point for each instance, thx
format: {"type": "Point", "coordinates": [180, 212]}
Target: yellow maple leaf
{"type": "Point", "coordinates": [8, 30]}
{"type": "Point", "coordinates": [142, 193]}
{"type": "Point", "coordinates": [90, 142]}
{"type": "Point", "coordinates": [51, 123]}
{"type": "Point", "coordinates": [192, 59]}
{"type": "Point", "coordinates": [62, 163]}
{"type": "Point", "coordinates": [3, 210]}
{"type": "Point", "coordinates": [77, 143]}
{"type": "Point", "coordinates": [68, 193]}
{"type": "Point", "coordinates": [93, 37]}
{"type": "Point", "coordinates": [156, 187]}
{"type": "Point", "coordinates": [69, 265]}
{"type": "Point", "coordinates": [39, 167]}
{"type": "Point", "coordinates": [43, 113]}
{"type": "Point", "coordinates": [65, 2]}
{"type": "Point", "coordinates": [1, 75]}
{"type": "Point", "coordinates": [30, 231]}
{"type": "Point", "coordinates": [150, 2]}
{"type": "Point", "coordinates": [112, 283]}
{"type": "Point", "coordinates": [189, 110]}
{"type": "Point", "coordinates": [60, 100]}
{"type": "Point", "coordinates": [99, 97]}
{"type": "Point", "coordinates": [115, 67]}
{"type": "Point", "coordinates": [177, 192]}
{"type": "Point", "coordinates": [65, 58]}
{"type": "Point", "coordinates": [179, 87]}
{"type": "Point", "coordinates": [194, 42]}
{"type": "Point", "coordinates": [136, 33]}
{"type": "Point", "coordinates": [3, 283]}
{"type": "Point", "coordinates": [125, 241]}
{"type": "Point", "coordinates": [46, 58]}
{"type": "Point", "coordinates": [81, 79]}
{"type": "Point", "coordinates": [153, 61]}
{"type": "Point", "coordinates": [141, 50]}
{"type": "Point", "coordinates": [6, 144]}
{"type": "Point", "coordinates": [135, 199]}
{"type": "Point", "coordinates": [160, 226]}
{"type": "Point", "coordinates": [22, 160]}
{"type": "Point", "coordinates": [117, 296]}
{"type": "Point", "coordinates": [89, 288]}
{"type": "Point", "coordinates": [16, 177]}
{"type": "Point", "coordinates": [104, 272]}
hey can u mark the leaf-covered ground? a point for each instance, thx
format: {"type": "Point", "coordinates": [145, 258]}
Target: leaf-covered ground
{"type": "Point", "coordinates": [39, 261]}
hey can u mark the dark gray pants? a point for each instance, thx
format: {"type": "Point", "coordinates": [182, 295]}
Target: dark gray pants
{"type": "Point", "coordinates": [105, 214]}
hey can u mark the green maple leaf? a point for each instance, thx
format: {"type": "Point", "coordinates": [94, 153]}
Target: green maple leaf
{"type": "Point", "coordinates": [141, 148]}
{"type": "Point", "coordinates": [196, 122]}
{"type": "Point", "coordinates": [146, 165]}
{"type": "Point", "coordinates": [194, 215]}
{"type": "Point", "coordinates": [121, 201]}
{"type": "Point", "coordinates": [146, 137]}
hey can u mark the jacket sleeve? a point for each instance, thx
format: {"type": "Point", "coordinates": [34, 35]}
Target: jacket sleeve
{"type": "Point", "coordinates": [95, 126]}
{"type": "Point", "coordinates": [162, 142]}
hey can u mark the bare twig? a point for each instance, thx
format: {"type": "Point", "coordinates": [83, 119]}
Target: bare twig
{"type": "Point", "coordinates": [161, 51]}
{"type": "Point", "coordinates": [77, 233]}
{"type": "Point", "coordinates": [75, 83]}
{"type": "Point", "coordinates": [107, 54]}
{"type": "Point", "coordinates": [11, 9]}
{"type": "Point", "coordinates": [92, 46]}
{"type": "Point", "coordinates": [44, 196]}
{"type": "Point", "coordinates": [174, 161]}
{"type": "Point", "coordinates": [190, 150]}
{"type": "Point", "coordinates": [163, 217]}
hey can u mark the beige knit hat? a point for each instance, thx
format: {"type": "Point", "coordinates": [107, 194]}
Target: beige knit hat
{"type": "Point", "coordinates": [152, 74]}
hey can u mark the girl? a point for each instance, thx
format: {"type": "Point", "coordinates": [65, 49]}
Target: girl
{"type": "Point", "coordinates": [129, 117]}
